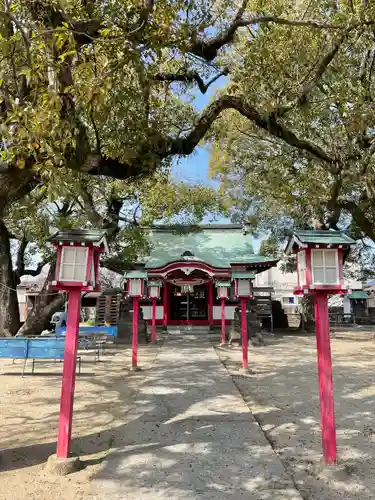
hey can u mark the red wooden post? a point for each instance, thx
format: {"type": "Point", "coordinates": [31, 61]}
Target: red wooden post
{"type": "Point", "coordinates": [135, 332]}
{"type": "Point", "coordinates": [165, 300]}
{"type": "Point", "coordinates": [245, 363]}
{"type": "Point", "coordinates": [327, 406]}
{"type": "Point", "coordinates": [153, 329]}
{"type": "Point", "coordinates": [223, 321]}
{"type": "Point", "coordinates": [69, 374]}
{"type": "Point", "coordinates": [210, 303]}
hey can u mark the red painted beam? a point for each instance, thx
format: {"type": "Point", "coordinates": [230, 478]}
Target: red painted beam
{"type": "Point", "coordinates": [69, 375]}
{"type": "Point", "coordinates": [327, 406]}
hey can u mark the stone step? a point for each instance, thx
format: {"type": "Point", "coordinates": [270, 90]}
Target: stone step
{"type": "Point", "coordinates": [188, 330]}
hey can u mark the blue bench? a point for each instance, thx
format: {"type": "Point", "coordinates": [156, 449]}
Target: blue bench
{"type": "Point", "coordinates": [35, 348]}
{"type": "Point", "coordinates": [92, 331]}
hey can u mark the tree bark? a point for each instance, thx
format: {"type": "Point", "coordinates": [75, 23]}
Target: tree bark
{"type": "Point", "coordinates": [9, 310]}
{"type": "Point", "coordinates": [45, 305]}
{"type": "Point", "coordinates": [307, 313]}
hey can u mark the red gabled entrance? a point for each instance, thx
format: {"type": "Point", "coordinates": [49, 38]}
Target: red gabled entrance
{"type": "Point", "coordinates": [188, 305]}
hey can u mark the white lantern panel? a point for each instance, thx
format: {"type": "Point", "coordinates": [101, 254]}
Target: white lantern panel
{"type": "Point", "coordinates": [318, 258]}
{"type": "Point", "coordinates": [330, 257]}
{"type": "Point", "coordinates": [135, 287]}
{"type": "Point", "coordinates": [325, 267]}
{"type": "Point", "coordinates": [79, 273]}
{"type": "Point", "coordinates": [243, 288]}
{"type": "Point", "coordinates": [302, 267]}
{"type": "Point", "coordinates": [67, 272]}
{"type": "Point", "coordinates": [222, 292]}
{"type": "Point", "coordinates": [68, 256]}
{"type": "Point", "coordinates": [319, 275]}
{"type": "Point", "coordinates": [73, 264]}
{"type": "Point", "coordinates": [81, 256]}
{"type": "Point", "coordinates": [92, 272]}
{"type": "Point", "coordinates": [331, 276]}
{"type": "Point", "coordinates": [154, 291]}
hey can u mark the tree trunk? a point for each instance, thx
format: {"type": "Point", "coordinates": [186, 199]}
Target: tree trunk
{"type": "Point", "coordinates": [9, 311]}
{"type": "Point", "coordinates": [45, 305]}
{"type": "Point", "coordinates": [307, 313]}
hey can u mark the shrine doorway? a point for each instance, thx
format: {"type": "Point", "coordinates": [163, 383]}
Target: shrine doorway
{"type": "Point", "coordinates": [189, 305]}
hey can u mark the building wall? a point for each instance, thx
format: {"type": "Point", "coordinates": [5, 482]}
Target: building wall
{"type": "Point", "coordinates": [283, 285]}
{"type": "Point", "coordinates": [147, 312]}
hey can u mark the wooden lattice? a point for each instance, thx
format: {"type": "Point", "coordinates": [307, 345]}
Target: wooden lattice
{"type": "Point", "coordinates": [108, 310]}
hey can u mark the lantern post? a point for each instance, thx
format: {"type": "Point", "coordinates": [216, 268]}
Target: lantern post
{"type": "Point", "coordinates": [154, 293]}
{"type": "Point", "coordinates": [242, 282]}
{"type": "Point", "coordinates": [77, 270]}
{"type": "Point", "coordinates": [136, 290]}
{"type": "Point", "coordinates": [223, 288]}
{"type": "Point", "coordinates": [320, 258]}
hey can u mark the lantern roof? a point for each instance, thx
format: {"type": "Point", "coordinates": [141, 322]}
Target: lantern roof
{"type": "Point", "coordinates": [94, 236]}
{"type": "Point", "coordinates": [243, 275]}
{"type": "Point", "coordinates": [358, 294]}
{"type": "Point", "coordinates": [223, 283]}
{"type": "Point", "coordinates": [155, 283]}
{"type": "Point", "coordinates": [135, 275]}
{"type": "Point", "coordinates": [319, 237]}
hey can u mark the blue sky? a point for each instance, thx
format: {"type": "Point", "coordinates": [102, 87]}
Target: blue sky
{"type": "Point", "coordinates": [194, 168]}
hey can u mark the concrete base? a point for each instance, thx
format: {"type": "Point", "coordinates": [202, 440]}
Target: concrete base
{"type": "Point", "coordinates": [63, 466]}
{"type": "Point", "coordinates": [338, 472]}
{"type": "Point", "coordinates": [246, 371]}
{"type": "Point", "coordinates": [136, 369]}
{"type": "Point", "coordinates": [223, 345]}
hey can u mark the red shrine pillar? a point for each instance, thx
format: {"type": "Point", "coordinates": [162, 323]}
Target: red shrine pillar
{"type": "Point", "coordinates": [327, 406]}
{"type": "Point", "coordinates": [245, 344]}
{"type": "Point", "coordinates": [222, 321]}
{"type": "Point", "coordinates": [69, 374]}
{"type": "Point", "coordinates": [153, 321]}
{"type": "Point", "coordinates": [210, 302]}
{"type": "Point", "coordinates": [165, 305]}
{"type": "Point", "coordinates": [135, 333]}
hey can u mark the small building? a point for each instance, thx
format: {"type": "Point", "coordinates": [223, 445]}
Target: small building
{"type": "Point", "coordinates": [188, 261]}
{"type": "Point", "coordinates": [357, 300]}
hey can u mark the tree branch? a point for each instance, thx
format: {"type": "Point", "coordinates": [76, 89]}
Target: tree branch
{"type": "Point", "coordinates": [318, 73]}
{"type": "Point", "coordinates": [20, 261]}
{"type": "Point", "coordinates": [359, 216]}
{"type": "Point", "coordinates": [208, 49]}
{"type": "Point", "coordinates": [190, 77]}
{"type": "Point", "coordinates": [88, 203]}
{"type": "Point", "coordinates": [268, 122]}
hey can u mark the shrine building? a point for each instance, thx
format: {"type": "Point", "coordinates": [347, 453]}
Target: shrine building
{"type": "Point", "coordinates": [189, 263]}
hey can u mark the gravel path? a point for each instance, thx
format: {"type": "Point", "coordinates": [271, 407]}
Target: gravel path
{"type": "Point", "coordinates": [192, 437]}
{"type": "Point", "coordinates": [283, 396]}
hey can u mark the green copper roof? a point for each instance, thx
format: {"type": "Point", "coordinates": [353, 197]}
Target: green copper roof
{"type": "Point", "coordinates": [358, 294]}
{"type": "Point", "coordinates": [217, 245]}
{"type": "Point", "coordinates": [223, 283]}
{"type": "Point", "coordinates": [324, 237]}
{"type": "Point", "coordinates": [243, 275]}
{"type": "Point", "coordinates": [155, 283]}
{"type": "Point", "coordinates": [79, 235]}
{"type": "Point", "coordinates": [135, 275]}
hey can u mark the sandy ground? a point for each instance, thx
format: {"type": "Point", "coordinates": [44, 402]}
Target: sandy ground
{"type": "Point", "coordinates": [283, 395]}
{"type": "Point", "coordinates": [29, 416]}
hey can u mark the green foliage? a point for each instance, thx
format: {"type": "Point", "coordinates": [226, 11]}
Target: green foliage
{"type": "Point", "coordinates": [309, 157]}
